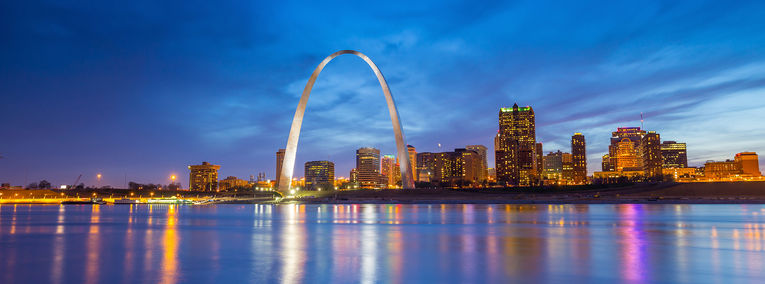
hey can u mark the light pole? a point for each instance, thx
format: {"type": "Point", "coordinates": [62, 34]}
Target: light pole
{"type": "Point", "coordinates": [172, 181]}
{"type": "Point", "coordinates": [98, 177]}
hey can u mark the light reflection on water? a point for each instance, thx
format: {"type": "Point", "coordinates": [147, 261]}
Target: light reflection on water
{"type": "Point", "coordinates": [381, 243]}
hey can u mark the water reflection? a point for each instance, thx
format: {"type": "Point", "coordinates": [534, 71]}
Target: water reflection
{"type": "Point", "coordinates": [382, 243]}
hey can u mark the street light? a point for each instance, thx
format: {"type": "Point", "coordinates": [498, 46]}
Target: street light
{"type": "Point", "coordinates": [98, 177]}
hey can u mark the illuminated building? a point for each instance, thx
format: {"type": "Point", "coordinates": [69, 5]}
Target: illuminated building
{"type": "Point", "coordinates": [721, 170]}
{"type": "Point", "coordinates": [232, 182]}
{"type": "Point", "coordinates": [568, 167]}
{"type": "Point", "coordinates": [515, 155]}
{"type": "Point", "coordinates": [412, 160]}
{"type": "Point", "coordinates": [680, 173]}
{"type": "Point", "coordinates": [650, 151]}
{"type": "Point", "coordinates": [553, 166]}
{"type": "Point", "coordinates": [203, 177]}
{"type": "Point", "coordinates": [605, 164]}
{"type": "Point", "coordinates": [538, 155]}
{"type": "Point", "coordinates": [481, 150]}
{"type": "Point", "coordinates": [492, 176]}
{"type": "Point", "coordinates": [388, 171]}
{"type": "Point", "coordinates": [578, 159]}
{"type": "Point", "coordinates": [674, 155]}
{"type": "Point", "coordinates": [749, 162]}
{"type": "Point", "coordinates": [319, 175]}
{"type": "Point", "coordinates": [354, 176]}
{"type": "Point", "coordinates": [368, 167]}
{"type": "Point", "coordinates": [425, 166]}
{"type": "Point", "coordinates": [458, 168]}
{"type": "Point", "coordinates": [624, 149]}
{"type": "Point", "coordinates": [279, 162]}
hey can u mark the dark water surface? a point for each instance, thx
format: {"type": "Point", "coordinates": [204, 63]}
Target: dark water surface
{"type": "Point", "coordinates": [382, 243]}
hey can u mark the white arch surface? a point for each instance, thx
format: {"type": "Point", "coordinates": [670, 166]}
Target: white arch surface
{"type": "Point", "coordinates": [288, 165]}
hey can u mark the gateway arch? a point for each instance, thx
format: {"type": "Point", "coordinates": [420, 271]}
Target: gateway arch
{"type": "Point", "coordinates": [288, 165]}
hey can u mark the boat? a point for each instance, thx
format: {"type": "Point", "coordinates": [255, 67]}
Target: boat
{"type": "Point", "coordinates": [125, 201]}
{"type": "Point", "coordinates": [91, 201]}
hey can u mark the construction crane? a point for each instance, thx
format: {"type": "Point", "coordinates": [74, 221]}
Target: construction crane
{"type": "Point", "coordinates": [74, 185]}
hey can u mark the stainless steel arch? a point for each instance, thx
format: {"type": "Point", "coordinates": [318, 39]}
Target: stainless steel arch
{"type": "Point", "coordinates": [288, 165]}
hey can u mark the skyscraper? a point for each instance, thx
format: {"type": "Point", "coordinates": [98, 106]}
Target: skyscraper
{"type": "Point", "coordinates": [483, 174]}
{"type": "Point", "coordinates": [319, 175]}
{"type": "Point", "coordinates": [674, 155]}
{"type": "Point", "coordinates": [279, 162]}
{"type": "Point", "coordinates": [368, 167]}
{"type": "Point", "coordinates": [388, 170]}
{"type": "Point", "coordinates": [579, 158]}
{"type": "Point", "coordinates": [650, 151]}
{"type": "Point", "coordinates": [538, 156]}
{"type": "Point", "coordinates": [425, 166]}
{"type": "Point", "coordinates": [515, 157]}
{"type": "Point", "coordinates": [750, 164]}
{"type": "Point", "coordinates": [458, 168]}
{"type": "Point", "coordinates": [624, 149]}
{"type": "Point", "coordinates": [553, 166]}
{"type": "Point", "coordinates": [412, 160]}
{"type": "Point", "coordinates": [203, 177]}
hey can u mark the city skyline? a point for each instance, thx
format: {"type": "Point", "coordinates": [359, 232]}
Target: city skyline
{"type": "Point", "coordinates": [147, 107]}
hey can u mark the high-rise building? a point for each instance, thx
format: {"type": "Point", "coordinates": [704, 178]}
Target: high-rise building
{"type": "Point", "coordinates": [750, 164]}
{"type": "Point", "coordinates": [674, 155]}
{"type": "Point", "coordinates": [425, 166]}
{"type": "Point", "coordinates": [368, 167]}
{"type": "Point", "coordinates": [353, 176]}
{"type": "Point", "coordinates": [279, 162]}
{"type": "Point", "coordinates": [515, 157]}
{"type": "Point", "coordinates": [319, 175]}
{"type": "Point", "coordinates": [579, 158]}
{"type": "Point", "coordinates": [481, 150]}
{"type": "Point", "coordinates": [388, 170]}
{"type": "Point", "coordinates": [624, 149]}
{"type": "Point", "coordinates": [412, 161]}
{"type": "Point", "coordinates": [203, 177]}
{"type": "Point", "coordinates": [458, 168]}
{"type": "Point", "coordinates": [605, 164]}
{"type": "Point", "coordinates": [538, 155]}
{"type": "Point", "coordinates": [553, 166]}
{"type": "Point", "coordinates": [650, 151]}
{"type": "Point", "coordinates": [567, 173]}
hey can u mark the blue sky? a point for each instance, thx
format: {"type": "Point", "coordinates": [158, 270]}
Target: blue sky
{"type": "Point", "coordinates": [144, 88]}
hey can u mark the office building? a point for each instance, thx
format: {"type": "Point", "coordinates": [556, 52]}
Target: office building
{"type": "Point", "coordinates": [749, 163]}
{"type": "Point", "coordinates": [578, 159]}
{"type": "Point", "coordinates": [425, 166]}
{"type": "Point", "coordinates": [412, 161]}
{"type": "Point", "coordinates": [674, 155]}
{"type": "Point", "coordinates": [650, 152]}
{"type": "Point", "coordinates": [458, 168]}
{"type": "Point", "coordinates": [368, 167]}
{"type": "Point", "coordinates": [481, 150]}
{"type": "Point", "coordinates": [624, 149]}
{"type": "Point", "coordinates": [539, 157]}
{"type": "Point", "coordinates": [515, 155]}
{"type": "Point", "coordinates": [319, 175]}
{"type": "Point", "coordinates": [279, 161]}
{"type": "Point", "coordinates": [203, 177]}
{"type": "Point", "coordinates": [388, 171]}
{"type": "Point", "coordinates": [232, 182]}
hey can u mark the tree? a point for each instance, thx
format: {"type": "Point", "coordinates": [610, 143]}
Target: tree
{"type": "Point", "coordinates": [44, 184]}
{"type": "Point", "coordinates": [32, 185]}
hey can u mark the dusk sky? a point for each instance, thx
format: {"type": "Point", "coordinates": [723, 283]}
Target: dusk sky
{"type": "Point", "coordinates": [145, 88]}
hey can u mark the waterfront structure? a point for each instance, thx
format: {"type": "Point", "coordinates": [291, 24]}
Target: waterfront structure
{"type": "Point", "coordinates": [412, 160]}
{"type": "Point", "coordinates": [232, 182]}
{"type": "Point", "coordinates": [749, 162]}
{"type": "Point", "coordinates": [674, 155]}
{"type": "Point", "coordinates": [319, 175]}
{"type": "Point", "coordinates": [279, 162]}
{"type": "Point", "coordinates": [387, 168]}
{"type": "Point", "coordinates": [578, 159]}
{"type": "Point", "coordinates": [297, 121]}
{"type": "Point", "coordinates": [650, 152]}
{"type": "Point", "coordinates": [624, 149]}
{"type": "Point", "coordinates": [203, 177]}
{"type": "Point", "coordinates": [721, 170]}
{"type": "Point", "coordinates": [483, 174]}
{"type": "Point", "coordinates": [515, 155]}
{"type": "Point", "coordinates": [368, 167]}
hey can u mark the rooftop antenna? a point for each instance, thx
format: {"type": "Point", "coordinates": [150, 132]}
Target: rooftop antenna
{"type": "Point", "coordinates": [641, 120]}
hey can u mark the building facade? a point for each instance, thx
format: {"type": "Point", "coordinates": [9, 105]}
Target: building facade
{"type": "Point", "coordinates": [319, 175]}
{"type": "Point", "coordinates": [279, 162]}
{"type": "Point", "coordinates": [368, 167]}
{"type": "Point", "coordinates": [674, 155]}
{"type": "Point", "coordinates": [388, 171]}
{"type": "Point", "coordinates": [515, 155]}
{"type": "Point", "coordinates": [482, 151]}
{"type": "Point", "coordinates": [578, 159]}
{"type": "Point", "coordinates": [650, 151]}
{"type": "Point", "coordinates": [203, 177]}
{"type": "Point", "coordinates": [412, 160]}
{"type": "Point", "coordinates": [458, 168]}
{"type": "Point", "coordinates": [749, 162]}
{"type": "Point", "coordinates": [624, 149]}
{"type": "Point", "coordinates": [232, 182]}
{"type": "Point", "coordinates": [425, 166]}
